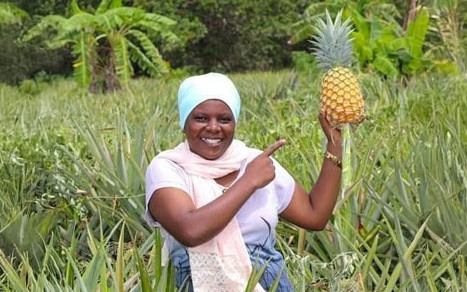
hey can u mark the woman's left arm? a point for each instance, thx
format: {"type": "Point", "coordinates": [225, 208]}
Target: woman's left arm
{"type": "Point", "coordinates": [313, 210]}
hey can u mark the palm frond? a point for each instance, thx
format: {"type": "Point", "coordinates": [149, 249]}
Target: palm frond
{"type": "Point", "coordinates": [115, 4]}
{"type": "Point", "coordinates": [115, 18]}
{"type": "Point", "coordinates": [83, 50]}
{"type": "Point", "coordinates": [123, 66]}
{"type": "Point", "coordinates": [80, 22]}
{"type": "Point", "coordinates": [301, 33]}
{"type": "Point", "coordinates": [75, 7]}
{"type": "Point", "coordinates": [160, 19]}
{"type": "Point", "coordinates": [151, 53]}
{"type": "Point", "coordinates": [52, 24]}
{"type": "Point", "coordinates": [165, 33]}
{"type": "Point", "coordinates": [103, 6]}
{"type": "Point", "coordinates": [138, 57]}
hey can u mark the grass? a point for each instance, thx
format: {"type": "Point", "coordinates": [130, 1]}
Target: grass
{"type": "Point", "coordinates": [72, 184]}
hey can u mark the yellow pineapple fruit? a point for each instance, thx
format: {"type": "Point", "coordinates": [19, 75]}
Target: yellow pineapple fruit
{"type": "Point", "coordinates": [341, 98]}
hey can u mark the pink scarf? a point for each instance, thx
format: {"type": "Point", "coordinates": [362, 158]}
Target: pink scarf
{"type": "Point", "coordinates": [223, 263]}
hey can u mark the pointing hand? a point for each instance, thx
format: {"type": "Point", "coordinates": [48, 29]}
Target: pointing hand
{"type": "Point", "coordinates": [260, 171]}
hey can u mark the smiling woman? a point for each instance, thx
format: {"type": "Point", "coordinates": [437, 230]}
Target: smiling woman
{"type": "Point", "coordinates": [210, 129]}
{"type": "Point", "coordinates": [218, 201]}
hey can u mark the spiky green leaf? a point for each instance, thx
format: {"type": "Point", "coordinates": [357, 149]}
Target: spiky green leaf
{"type": "Point", "coordinates": [332, 43]}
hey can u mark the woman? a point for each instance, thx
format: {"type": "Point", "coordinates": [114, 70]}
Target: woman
{"type": "Point", "coordinates": [218, 201]}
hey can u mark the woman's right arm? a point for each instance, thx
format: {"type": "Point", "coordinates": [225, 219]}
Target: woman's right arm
{"type": "Point", "coordinates": [175, 211]}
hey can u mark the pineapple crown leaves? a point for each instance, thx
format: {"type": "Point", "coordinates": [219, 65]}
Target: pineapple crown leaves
{"type": "Point", "coordinates": [333, 45]}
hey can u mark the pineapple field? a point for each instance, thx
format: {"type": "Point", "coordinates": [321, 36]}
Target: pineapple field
{"type": "Point", "coordinates": [72, 183]}
{"type": "Point", "coordinates": [88, 96]}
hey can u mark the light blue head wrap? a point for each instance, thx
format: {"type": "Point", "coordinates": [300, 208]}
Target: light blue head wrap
{"type": "Point", "coordinates": [197, 89]}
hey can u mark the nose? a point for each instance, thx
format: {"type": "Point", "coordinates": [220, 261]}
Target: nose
{"type": "Point", "coordinates": [213, 126]}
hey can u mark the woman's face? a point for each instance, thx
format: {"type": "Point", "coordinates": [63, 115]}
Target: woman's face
{"type": "Point", "coordinates": [210, 129]}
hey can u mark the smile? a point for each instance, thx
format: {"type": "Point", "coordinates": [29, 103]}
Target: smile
{"type": "Point", "coordinates": [212, 141]}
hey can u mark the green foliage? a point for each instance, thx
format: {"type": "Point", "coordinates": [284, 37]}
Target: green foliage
{"type": "Point", "coordinates": [227, 35]}
{"type": "Point", "coordinates": [44, 7]}
{"type": "Point", "coordinates": [447, 36]}
{"type": "Point", "coordinates": [232, 35]}
{"type": "Point", "coordinates": [303, 61]}
{"type": "Point", "coordinates": [372, 31]}
{"type": "Point", "coordinates": [26, 234]}
{"type": "Point", "coordinates": [391, 52]}
{"type": "Point", "coordinates": [99, 271]}
{"type": "Point", "coordinates": [11, 14]}
{"type": "Point", "coordinates": [106, 43]}
{"type": "Point", "coordinates": [379, 41]}
{"type": "Point", "coordinates": [302, 29]}
{"type": "Point", "coordinates": [19, 61]}
{"type": "Point", "coordinates": [72, 182]}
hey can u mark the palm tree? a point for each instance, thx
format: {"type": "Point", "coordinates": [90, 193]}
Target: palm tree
{"type": "Point", "coordinates": [108, 43]}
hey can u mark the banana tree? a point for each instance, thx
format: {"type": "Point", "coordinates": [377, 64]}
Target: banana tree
{"type": "Point", "coordinates": [107, 43]}
{"type": "Point", "coordinates": [389, 50]}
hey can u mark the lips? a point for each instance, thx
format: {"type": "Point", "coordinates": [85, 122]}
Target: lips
{"type": "Point", "coordinates": [212, 141]}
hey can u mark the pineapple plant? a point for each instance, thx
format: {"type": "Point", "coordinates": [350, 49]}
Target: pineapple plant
{"type": "Point", "coordinates": [341, 98]}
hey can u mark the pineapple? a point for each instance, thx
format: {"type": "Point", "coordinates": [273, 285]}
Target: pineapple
{"type": "Point", "coordinates": [341, 98]}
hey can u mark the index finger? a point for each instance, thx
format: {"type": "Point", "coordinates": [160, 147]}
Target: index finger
{"type": "Point", "coordinates": [271, 149]}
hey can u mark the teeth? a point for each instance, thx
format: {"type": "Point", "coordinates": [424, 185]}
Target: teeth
{"type": "Point", "coordinates": [211, 141]}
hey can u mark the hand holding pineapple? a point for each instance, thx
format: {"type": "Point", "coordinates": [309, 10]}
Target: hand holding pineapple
{"type": "Point", "coordinates": [332, 133]}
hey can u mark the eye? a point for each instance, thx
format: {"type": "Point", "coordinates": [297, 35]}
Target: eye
{"type": "Point", "coordinates": [200, 118]}
{"type": "Point", "coordinates": [225, 119]}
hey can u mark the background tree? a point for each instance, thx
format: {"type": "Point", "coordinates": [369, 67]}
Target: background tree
{"type": "Point", "coordinates": [19, 60]}
{"type": "Point", "coordinates": [107, 43]}
{"type": "Point", "coordinates": [232, 35]}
